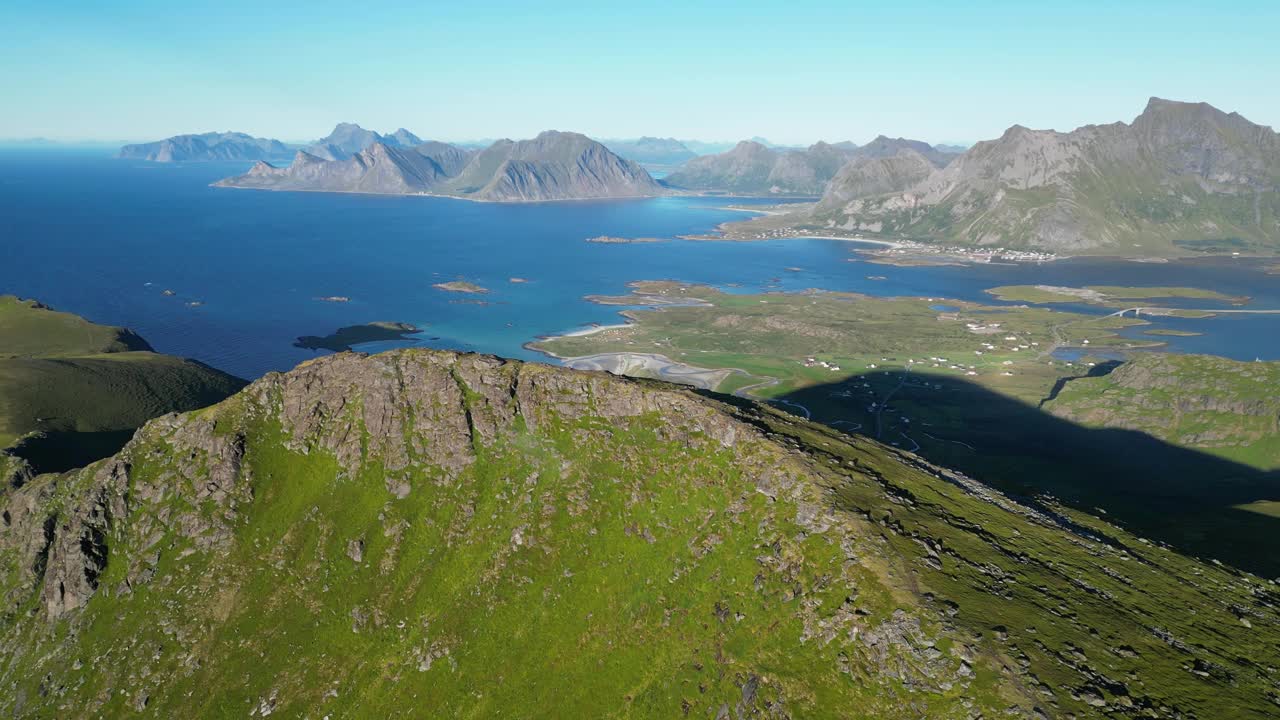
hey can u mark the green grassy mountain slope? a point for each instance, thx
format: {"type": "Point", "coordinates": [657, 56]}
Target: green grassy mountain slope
{"type": "Point", "coordinates": [29, 329]}
{"type": "Point", "coordinates": [1181, 178]}
{"type": "Point", "coordinates": [1218, 405]}
{"type": "Point", "coordinates": [425, 534]}
{"type": "Point", "coordinates": [962, 384]}
{"type": "Point", "coordinates": [71, 380]}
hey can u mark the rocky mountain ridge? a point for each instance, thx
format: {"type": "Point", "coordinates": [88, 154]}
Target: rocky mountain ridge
{"type": "Point", "coordinates": [1182, 177]}
{"type": "Point", "coordinates": [651, 150]}
{"type": "Point", "coordinates": [380, 534]}
{"type": "Point", "coordinates": [347, 139]}
{"type": "Point", "coordinates": [755, 168]}
{"type": "Point", "coordinates": [552, 166]}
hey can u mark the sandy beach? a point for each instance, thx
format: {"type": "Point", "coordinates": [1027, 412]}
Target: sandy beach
{"type": "Point", "coordinates": [650, 365]}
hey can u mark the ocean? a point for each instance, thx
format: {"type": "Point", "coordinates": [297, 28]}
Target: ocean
{"type": "Point", "coordinates": [106, 238]}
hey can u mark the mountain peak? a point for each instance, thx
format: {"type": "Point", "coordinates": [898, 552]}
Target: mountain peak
{"type": "Point", "coordinates": [553, 134]}
{"type": "Point", "coordinates": [1158, 104]}
{"type": "Point", "coordinates": [404, 138]}
{"type": "Point", "coordinates": [464, 494]}
{"type": "Point", "coordinates": [1211, 155]}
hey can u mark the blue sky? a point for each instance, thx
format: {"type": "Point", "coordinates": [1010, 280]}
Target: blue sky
{"type": "Point", "coordinates": [792, 72]}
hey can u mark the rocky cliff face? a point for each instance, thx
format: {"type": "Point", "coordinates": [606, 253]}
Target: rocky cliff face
{"type": "Point", "coordinates": [377, 169]}
{"type": "Point", "coordinates": [884, 147]}
{"type": "Point", "coordinates": [450, 158]}
{"type": "Point", "coordinates": [347, 139]}
{"type": "Point", "coordinates": [873, 174]}
{"type": "Point", "coordinates": [1182, 177]}
{"type": "Point", "coordinates": [553, 166]}
{"type": "Point", "coordinates": [206, 147]}
{"type": "Point", "coordinates": [382, 535]}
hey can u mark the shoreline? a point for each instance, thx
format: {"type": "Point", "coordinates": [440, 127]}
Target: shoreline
{"type": "Point", "coordinates": [649, 365]}
{"type": "Point", "coordinates": [885, 243]}
{"type": "Point", "coordinates": [217, 184]}
{"type": "Point", "coordinates": [583, 332]}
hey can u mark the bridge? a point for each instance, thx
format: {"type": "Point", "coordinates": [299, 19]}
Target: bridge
{"type": "Point", "coordinates": [1161, 311]}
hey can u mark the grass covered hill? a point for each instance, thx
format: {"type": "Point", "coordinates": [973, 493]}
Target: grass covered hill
{"type": "Point", "coordinates": [76, 384]}
{"type": "Point", "coordinates": [426, 534]}
{"type": "Point", "coordinates": [1222, 406]}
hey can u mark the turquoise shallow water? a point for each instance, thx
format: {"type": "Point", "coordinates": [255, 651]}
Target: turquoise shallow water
{"type": "Point", "coordinates": [104, 238]}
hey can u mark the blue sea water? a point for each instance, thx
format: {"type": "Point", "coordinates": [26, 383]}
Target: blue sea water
{"type": "Point", "coordinates": [104, 238]}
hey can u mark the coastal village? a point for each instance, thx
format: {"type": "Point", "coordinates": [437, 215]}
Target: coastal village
{"type": "Point", "coordinates": [896, 248]}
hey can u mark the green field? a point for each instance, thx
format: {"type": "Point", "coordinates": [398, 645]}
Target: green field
{"type": "Point", "coordinates": [1109, 295]}
{"type": "Point", "coordinates": [772, 336]}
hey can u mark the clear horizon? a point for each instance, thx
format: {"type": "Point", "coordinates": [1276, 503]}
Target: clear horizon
{"type": "Point", "coordinates": [142, 71]}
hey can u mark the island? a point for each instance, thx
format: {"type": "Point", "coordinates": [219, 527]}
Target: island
{"type": "Point", "coordinates": [611, 240]}
{"type": "Point", "coordinates": [343, 338]}
{"type": "Point", "coordinates": [553, 166]}
{"type": "Point", "coordinates": [1109, 295]}
{"type": "Point", "coordinates": [461, 286]}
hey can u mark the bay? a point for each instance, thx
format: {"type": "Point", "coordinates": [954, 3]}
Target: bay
{"type": "Point", "coordinates": [106, 238]}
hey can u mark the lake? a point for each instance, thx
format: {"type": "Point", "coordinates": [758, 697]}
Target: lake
{"type": "Point", "coordinates": [105, 238]}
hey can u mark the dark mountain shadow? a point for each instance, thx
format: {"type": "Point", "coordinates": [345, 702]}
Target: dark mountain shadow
{"type": "Point", "coordinates": [1175, 495]}
{"type": "Point", "coordinates": [57, 452]}
{"type": "Point", "coordinates": [1102, 368]}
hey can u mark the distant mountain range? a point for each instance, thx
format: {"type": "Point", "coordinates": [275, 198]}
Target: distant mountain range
{"type": "Point", "coordinates": [753, 168]}
{"type": "Point", "coordinates": [652, 150]}
{"type": "Point", "coordinates": [1181, 177]}
{"type": "Point", "coordinates": [347, 139]}
{"type": "Point", "coordinates": [882, 166]}
{"type": "Point", "coordinates": [552, 166]}
{"type": "Point", "coordinates": [205, 147]}
{"type": "Point", "coordinates": [708, 147]}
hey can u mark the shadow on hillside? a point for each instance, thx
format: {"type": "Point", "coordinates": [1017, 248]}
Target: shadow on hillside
{"type": "Point", "coordinates": [1175, 495]}
{"type": "Point", "coordinates": [56, 452]}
